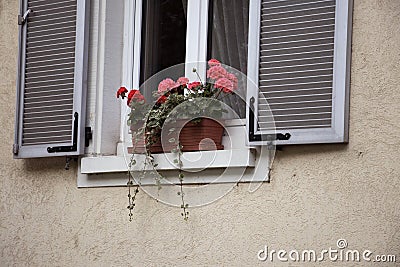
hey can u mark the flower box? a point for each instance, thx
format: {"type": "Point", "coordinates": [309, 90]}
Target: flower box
{"type": "Point", "coordinates": [202, 135]}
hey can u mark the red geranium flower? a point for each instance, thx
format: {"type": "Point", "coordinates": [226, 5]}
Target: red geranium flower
{"type": "Point", "coordinates": [121, 92]}
{"type": "Point", "coordinates": [135, 95]}
{"type": "Point", "coordinates": [162, 99]}
{"type": "Point", "coordinates": [194, 85]}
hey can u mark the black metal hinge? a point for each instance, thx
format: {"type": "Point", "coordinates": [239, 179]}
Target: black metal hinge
{"type": "Point", "coordinates": [74, 146]}
{"type": "Point", "coordinates": [262, 137]}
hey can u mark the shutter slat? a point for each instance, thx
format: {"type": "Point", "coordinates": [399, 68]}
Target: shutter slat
{"type": "Point", "coordinates": [36, 73]}
{"type": "Point", "coordinates": [51, 21]}
{"type": "Point", "coordinates": [293, 4]}
{"type": "Point", "coordinates": [32, 78]}
{"type": "Point", "coordinates": [48, 67]}
{"type": "Point", "coordinates": [37, 53]}
{"type": "Point", "coordinates": [61, 24]}
{"type": "Point", "coordinates": [52, 80]}
{"type": "Point", "coordinates": [319, 21]}
{"type": "Point", "coordinates": [45, 4]}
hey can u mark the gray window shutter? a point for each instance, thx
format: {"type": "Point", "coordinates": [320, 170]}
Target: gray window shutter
{"type": "Point", "coordinates": [299, 59]}
{"type": "Point", "coordinates": [52, 77]}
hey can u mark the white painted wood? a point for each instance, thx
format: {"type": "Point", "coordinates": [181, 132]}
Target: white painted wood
{"type": "Point", "coordinates": [109, 77]}
{"type": "Point", "coordinates": [339, 131]}
{"type": "Point", "coordinates": [255, 174]}
{"type": "Point", "coordinates": [191, 161]}
{"type": "Point", "coordinates": [196, 39]}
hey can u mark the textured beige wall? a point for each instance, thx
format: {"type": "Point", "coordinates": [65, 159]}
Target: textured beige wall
{"type": "Point", "coordinates": [318, 193]}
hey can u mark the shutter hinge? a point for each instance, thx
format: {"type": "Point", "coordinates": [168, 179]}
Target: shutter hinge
{"type": "Point", "coordinates": [74, 146]}
{"type": "Point", "coordinates": [15, 149]}
{"type": "Point", "coordinates": [262, 137]}
{"type": "Point", "coordinates": [22, 18]}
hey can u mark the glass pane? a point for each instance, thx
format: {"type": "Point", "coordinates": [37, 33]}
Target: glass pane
{"type": "Point", "coordinates": [163, 36]}
{"type": "Point", "coordinates": [227, 41]}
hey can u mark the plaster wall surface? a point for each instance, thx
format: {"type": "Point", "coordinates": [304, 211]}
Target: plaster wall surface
{"type": "Point", "coordinates": [318, 193]}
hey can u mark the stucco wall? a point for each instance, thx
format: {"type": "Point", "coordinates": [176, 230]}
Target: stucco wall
{"type": "Point", "coordinates": [318, 193]}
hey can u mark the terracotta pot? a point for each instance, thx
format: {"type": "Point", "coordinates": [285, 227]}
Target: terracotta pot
{"type": "Point", "coordinates": [194, 136]}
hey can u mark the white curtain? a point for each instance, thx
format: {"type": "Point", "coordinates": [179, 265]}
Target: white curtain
{"type": "Point", "coordinates": [229, 35]}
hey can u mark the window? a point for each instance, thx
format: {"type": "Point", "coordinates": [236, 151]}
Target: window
{"type": "Point", "coordinates": [227, 42]}
{"type": "Point", "coordinates": [296, 54]}
{"type": "Point", "coordinates": [163, 36]}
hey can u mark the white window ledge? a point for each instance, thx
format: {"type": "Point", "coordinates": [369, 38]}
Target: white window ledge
{"type": "Point", "coordinates": [190, 161]}
{"type": "Point", "coordinates": [222, 166]}
{"type": "Point", "coordinates": [236, 163]}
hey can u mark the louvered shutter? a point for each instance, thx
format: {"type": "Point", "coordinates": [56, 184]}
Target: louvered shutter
{"type": "Point", "coordinates": [299, 57]}
{"type": "Point", "coordinates": [51, 85]}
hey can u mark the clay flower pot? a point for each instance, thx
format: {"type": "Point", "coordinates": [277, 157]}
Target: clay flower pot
{"type": "Point", "coordinates": [202, 135]}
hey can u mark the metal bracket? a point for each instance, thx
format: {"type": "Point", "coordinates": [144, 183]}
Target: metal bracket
{"type": "Point", "coordinates": [74, 146]}
{"type": "Point", "coordinates": [22, 19]}
{"type": "Point", "coordinates": [262, 137]}
{"type": "Point", "coordinates": [15, 149]}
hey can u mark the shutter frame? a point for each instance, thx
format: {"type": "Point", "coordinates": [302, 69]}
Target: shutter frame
{"type": "Point", "coordinates": [73, 145]}
{"type": "Point", "coordinates": [338, 132]}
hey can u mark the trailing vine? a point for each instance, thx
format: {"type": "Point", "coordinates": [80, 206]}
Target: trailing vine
{"type": "Point", "coordinates": [147, 119]}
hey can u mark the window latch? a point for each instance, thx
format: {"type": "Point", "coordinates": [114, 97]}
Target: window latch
{"type": "Point", "coordinates": [22, 19]}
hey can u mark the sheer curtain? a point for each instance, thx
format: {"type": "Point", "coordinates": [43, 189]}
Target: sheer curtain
{"type": "Point", "coordinates": [229, 20]}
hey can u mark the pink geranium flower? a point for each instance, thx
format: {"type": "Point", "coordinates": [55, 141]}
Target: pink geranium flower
{"type": "Point", "coordinates": [213, 62]}
{"type": "Point", "coordinates": [233, 79]}
{"type": "Point", "coordinates": [183, 81]}
{"type": "Point", "coordinates": [216, 72]}
{"type": "Point", "coordinates": [166, 85]}
{"type": "Point", "coordinates": [225, 85]}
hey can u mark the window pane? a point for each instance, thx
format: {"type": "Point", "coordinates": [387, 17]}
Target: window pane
{"type": "Point", "coordinates": [227, 41]}
{"type": "Point", "coordinates": [163, 36]}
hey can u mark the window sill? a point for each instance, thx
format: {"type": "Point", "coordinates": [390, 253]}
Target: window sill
{"type": "Point", "coordinates": [191, 161]}
{"type": "Point", "coordinates": [236, 163]}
